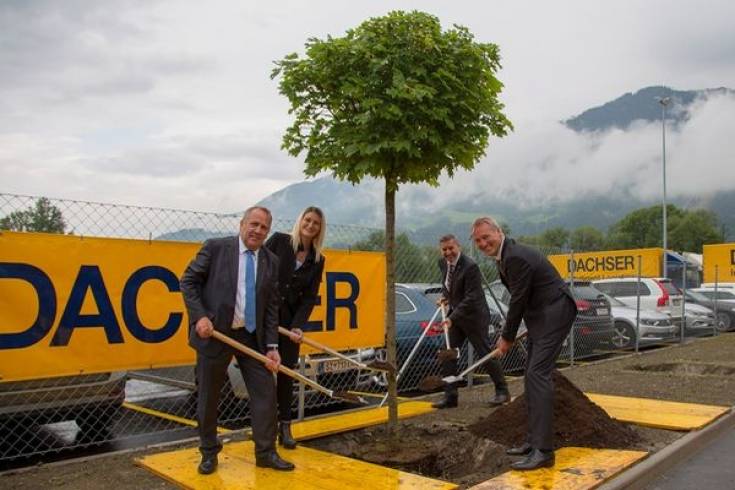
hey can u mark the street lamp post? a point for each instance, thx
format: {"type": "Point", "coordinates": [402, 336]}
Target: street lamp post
{"type": "Point", "coordinates": [664, 101]}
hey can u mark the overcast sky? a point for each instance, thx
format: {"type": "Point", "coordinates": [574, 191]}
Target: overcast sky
{"type": "Point", "coordinates": [170, 104]}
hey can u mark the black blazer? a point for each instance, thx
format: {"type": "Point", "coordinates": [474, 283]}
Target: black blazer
{"type": "Point", "coordinates": [209, 287]}
{"type": "Point", "coordinates": [532, 281]}
{"type": "Point", "coordinates": [298, 288]}
{"type": "Point", "coordinates": [467, 303]}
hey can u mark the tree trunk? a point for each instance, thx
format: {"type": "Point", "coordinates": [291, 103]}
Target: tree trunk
{"type": "Point", "coordinates": [390, 299]}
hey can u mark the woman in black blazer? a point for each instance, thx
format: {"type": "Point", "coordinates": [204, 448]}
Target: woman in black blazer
{"type": "Point", "coordinates": [299, 275]}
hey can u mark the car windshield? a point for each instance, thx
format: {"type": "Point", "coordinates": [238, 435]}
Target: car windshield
{"type": "Point", "coordinates": [585, 290]}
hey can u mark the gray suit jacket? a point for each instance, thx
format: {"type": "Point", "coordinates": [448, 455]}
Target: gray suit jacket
{"type": "Point", "coordinates": [209, 287]}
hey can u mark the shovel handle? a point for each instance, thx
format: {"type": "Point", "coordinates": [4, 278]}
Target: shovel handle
{"type": "Point", "coordinates": [322, 347]}
{"type": "Point", "coordinates": [260, 357]}
{"type": "Point", "coordinates": [444, 326]}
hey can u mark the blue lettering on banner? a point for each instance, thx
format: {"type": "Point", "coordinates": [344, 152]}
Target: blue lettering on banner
{"type": "Point", "coordinates": [90, 278]}
{"type": "Point", "coordinates": [349, 302]}
{"type": "Point", "coordinates": [130, 300]}
{"type": "Point", "coordinates": [46, 305]}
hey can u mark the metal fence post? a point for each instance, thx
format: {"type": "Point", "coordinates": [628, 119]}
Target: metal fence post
{"type": "Point", "coordinates": [683, 300]}
{"type": "Point", "coordinates": [470, 361]}
{"type": "Point", "coordinates": [571, 285]}
{"type": "Point", "coordinates": [638, 306]}
{"type": "Point", "coordinates": [717, 280]}
{"type": "Point", "coordinates": [302, 388]}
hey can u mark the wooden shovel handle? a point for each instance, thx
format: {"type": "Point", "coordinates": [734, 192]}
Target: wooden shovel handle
{"type": "Point", "coordinates": [260, 357]}
{"type": "Point", "coordinates": [321, 347]}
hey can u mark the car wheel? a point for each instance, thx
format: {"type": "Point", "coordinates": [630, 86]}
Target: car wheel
{"type": "Point", "coordinates": [724, 321]}
{"type": "Point", "coordinates": [623, 336]}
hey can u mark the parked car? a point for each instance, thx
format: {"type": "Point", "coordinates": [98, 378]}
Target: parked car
{"type": "Point", "coordinates": [93, 401]}
{"type": "Point", "coordinates": [594, 327]}
{"type": "Point", "coordinates": [721, 294]}
{"type": "Point", "coordinates": [725, 309]}
{"type": "Point", "coordinates": [655, 294]}
{"type": "Point", "coordinates": [653, 327]}
{"type": "Point", "coordinates": [700, 320]}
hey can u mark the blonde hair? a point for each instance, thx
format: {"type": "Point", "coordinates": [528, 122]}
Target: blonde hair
{"type": "Point", "coordinates": [318, 240]}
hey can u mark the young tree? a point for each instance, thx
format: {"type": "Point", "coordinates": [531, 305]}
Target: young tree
{"type": "Point", "coordinates": [41, 217]}
{"type": "Point", "coordinates": [398, 99]}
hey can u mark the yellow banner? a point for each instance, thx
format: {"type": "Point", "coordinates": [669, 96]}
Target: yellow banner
{"type": "Point", "coordinates": [718, 262]}
{"type": "Point", "coordinates": [71, 305]}
{"type": "Point", "coordinates": [608, 264]}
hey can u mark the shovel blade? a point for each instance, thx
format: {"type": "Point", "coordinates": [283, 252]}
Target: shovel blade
{"type": "Point", "coordinates": [431, 383]}
{"type": "Point", "coordinates": [447, 355]}
{"type": "Point", "coordinates": [381, 366]}
{"type": "Point", "coordinates": [350, 397]}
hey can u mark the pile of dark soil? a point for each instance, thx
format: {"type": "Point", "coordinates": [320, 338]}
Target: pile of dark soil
{"type": "Point", "coordinates": [577, 421]}
{"type": "Point", "coordinates": [440, 450]}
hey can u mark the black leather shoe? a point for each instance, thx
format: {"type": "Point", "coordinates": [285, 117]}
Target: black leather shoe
{"type": "Point", "coordinates": [449, 401]}
{"type": "Point", "coordinates": [535, 459]}
{"type": "Point", "coordinates": [522, 450]}
{"type": "Point", "coordinates": [500, 398]}
{"type": "Point", "coordinates": [273, 460]}
{"type": "Point", "coordinates": [285, 438]}
{"type": "Point", "coordinates": [208, 465]}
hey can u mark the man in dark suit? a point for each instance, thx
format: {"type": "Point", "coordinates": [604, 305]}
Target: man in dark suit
{"type": "Point", "coordinates": [468, 318]}
{"type": "Point", "coordinates": [232, 286]}
{"type": "Point", "coordinates": [539, 296]}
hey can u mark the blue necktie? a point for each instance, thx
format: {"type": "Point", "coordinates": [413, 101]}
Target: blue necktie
{"type": "Point", "coordinates": [249, 291]}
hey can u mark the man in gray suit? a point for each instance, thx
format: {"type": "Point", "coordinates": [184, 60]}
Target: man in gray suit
{"type": "Point", "coordinates": [232, 286]}
{"type": "Point", "coordinates": [539, 296]}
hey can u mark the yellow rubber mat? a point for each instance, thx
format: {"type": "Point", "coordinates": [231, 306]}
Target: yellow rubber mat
{"type": "Point", "coordinates": [314, 470]}
{"type": "Point", "coordinates": [658, 413]}
{"type": "Point", "coordinates": [357, 419]}
{"type": "Point", "coordinates": [576, 468]}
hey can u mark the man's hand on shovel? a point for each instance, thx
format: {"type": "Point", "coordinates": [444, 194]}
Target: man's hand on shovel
{"type": "Point", "coordinates": [296, 335]}
{"type": "Point", "coordinates": [502, 346]}
{"type": "Point", "coordinates": [274, 360]}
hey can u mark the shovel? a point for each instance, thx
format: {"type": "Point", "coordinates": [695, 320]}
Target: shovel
{"type": "Point", "coordinates": [433, 383]}
{"type": "Point", "coordinates": [340, 395]}
{"type": "Point", "coordinates": [412, 353]}
{"type": "Point", "coordinates": [447, 354]}
{"type": "Point", "coordinates": [374, 365]}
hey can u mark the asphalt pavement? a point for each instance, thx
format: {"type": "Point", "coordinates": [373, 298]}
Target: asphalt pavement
{"type": "Point", "coordinates": [712, 467]}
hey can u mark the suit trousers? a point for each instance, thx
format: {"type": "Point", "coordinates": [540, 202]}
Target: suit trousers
{"type": "Point", "coordinates": [547, 330]}
{"type": "Point", "coordinates": [211, 373]}
{"type": "Point", "coordinates": [289, 357]}
{"type": "Point", "coordinates": [480, 340]}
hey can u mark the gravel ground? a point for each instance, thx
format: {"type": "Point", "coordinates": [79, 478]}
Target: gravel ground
{"type": "Point", "coordinates": [699, 371]}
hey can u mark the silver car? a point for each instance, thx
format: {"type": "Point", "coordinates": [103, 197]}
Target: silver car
{"type": "Point", "coordinates": [700, 320]}
{"type": "Point", "coordinates": [653, 327]}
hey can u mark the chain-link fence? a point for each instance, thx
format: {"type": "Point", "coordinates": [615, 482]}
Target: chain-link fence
{"type": "Point", "coordinates": [47, 415]}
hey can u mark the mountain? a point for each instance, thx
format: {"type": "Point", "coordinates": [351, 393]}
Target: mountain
{"type": "Point", "coordinates": [640, 106]}
{"type": "Point", "coordinates": [418, 213]}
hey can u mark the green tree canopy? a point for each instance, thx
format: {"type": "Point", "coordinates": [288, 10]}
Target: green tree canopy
{"type": "Point", "coordinates": [687, 229]}
{"type": "Point", "coordinates": [556, 237]}
{"type": "Point", "coordinates": [41, 217]}
{"type": "Point", "coordinates": [396, 98]}
{"type": "Point", "coordinates": [587, 239]}
{"type": "Point", "coordinates": [413, 263]}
